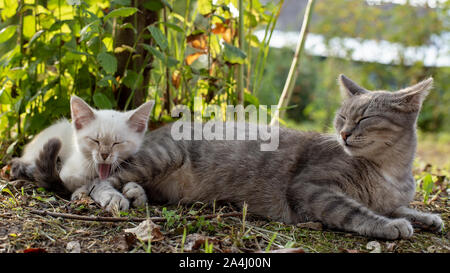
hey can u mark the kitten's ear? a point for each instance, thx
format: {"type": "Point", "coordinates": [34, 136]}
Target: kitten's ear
{"type": "Point", "coordinates": [139, 119]}
{"type": "Point", "coordinates": [349, 88]}
{"type": "Point", "coordinates": [82, 113]}
{"type": "Point", "coordinates": [410, 99]}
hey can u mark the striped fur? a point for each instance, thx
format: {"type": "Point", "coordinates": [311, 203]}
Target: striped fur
{"type": "Point", "coordinates": [362, 183]}
{"type": "Point", "coordinates": [44, 171]}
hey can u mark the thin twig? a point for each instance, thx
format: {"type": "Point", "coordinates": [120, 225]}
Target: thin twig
{"type": "Point", "coordinates": [125, 219]}
{"type": "Point", "coordinates": [294, 70]}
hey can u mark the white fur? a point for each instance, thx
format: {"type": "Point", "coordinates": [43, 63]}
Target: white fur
{"type": "Point", "coordinates": [79, 155]}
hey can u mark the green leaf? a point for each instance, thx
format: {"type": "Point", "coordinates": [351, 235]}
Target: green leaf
{"type": "Point", "coordinates": [102, 101]}
{"type": "Point", "coordinates": [74, 2]}
{"type": "Point", "coordinates": [171, 61]}
{"type": "Point", "coordinates": [85, 33]}
{"type": "Point", "coordinates": [250, 99]}
{"type": "Point", "coordinates": [155, 52]}
{"type": "Point", "coordinates": [153, 5]}
{"type": "Point", "coordinates": [104, 82]}
{"type": "Point", "coordinates": [427, 186]}
{"type": "Point", "coordinates": [174, 27]}
{"type": "Point", "coordinates": [233, 54]}
{"type": "Point", "coordinates": [121, 2]}
{"type": "Point", "coordinates": [4, 97]}
{"type": "Point", "coordinates": [11, 147]}
{"type": "Point", "coordinates": [167, 4]}
{"type": "Point", "coordinates": [7, 33]}
{"type": "Point", "coordinates": [132, 79]}
{"type": "Point", "coordinates": [35, 37]}
{"type": "Point", "coordinates": [159, 37]}
{"type": "Point", "coordinates": [121, 12]}
{"type": "Point", "coordinates": [204, 6]}
{"type": "Point", "coordinates": [108, 62]}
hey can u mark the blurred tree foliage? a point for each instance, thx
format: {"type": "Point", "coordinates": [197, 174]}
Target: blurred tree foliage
{"type": "Point", "coordinates": [316, 93]}
{"type": "Point", "coordinates": [117, 54]}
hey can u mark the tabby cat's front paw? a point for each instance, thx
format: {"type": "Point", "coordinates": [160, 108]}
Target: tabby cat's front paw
{"type": "Point", "coordinates": [80, 193]}
{"type": "Point", "coordinates": [135, 193]}
{"type": "Point", "coordinates": [428, 221]}
{"type": "Point", "coordinates": [113, 201]}
{"type": "Point", "coordinates": [396, 229]}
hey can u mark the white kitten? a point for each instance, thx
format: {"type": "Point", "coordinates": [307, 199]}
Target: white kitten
{"type": "Point", "coordinates": [93, 145]}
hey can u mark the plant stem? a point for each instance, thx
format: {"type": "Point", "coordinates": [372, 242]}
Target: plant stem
{"type": "Point", "coordinates": [167, 94]}
{"type": "Point", "coordinates": [240, 78]}
{"type": "Point", "coordinates": [293, 71]}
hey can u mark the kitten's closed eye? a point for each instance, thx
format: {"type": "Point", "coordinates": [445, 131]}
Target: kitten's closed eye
{"type": "Point", "coordinates": [365, 118]}
{"type": "Point", "coordinates": [118, 143]}
{"type": "Point", "coordinates": [94, 140]}
{"type": "Point", "coordinates": [342, 117]}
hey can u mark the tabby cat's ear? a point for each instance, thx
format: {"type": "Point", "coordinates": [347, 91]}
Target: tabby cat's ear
{"type": "Point", "coordinates": [410, 99]}
{"type": "Point", "coordinates": [82, 113]}
{"type": "Point", "coordinates": [139, 118]}
{"type": "Point", "coordinates": [349, 88]}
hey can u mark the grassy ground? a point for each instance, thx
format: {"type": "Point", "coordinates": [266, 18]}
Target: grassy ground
{"type": "Point", "coordinates": [21, 230]}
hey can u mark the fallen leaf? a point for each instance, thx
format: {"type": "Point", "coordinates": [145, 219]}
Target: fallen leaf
{"type": "Point", "coordinates": [311, 225]}
{"type": "Point", "coordinates": [5, 172]}
{"type": "Point", "coordinates": [431, 249]}
{"type": "Point", "coordinates": [374, 246]}
{"type": "Point", "coordinates": [147, 231]}
{"type": "Point", "coordinates": [195, 241]}
{"type": "Point", "coordinates": [125, 242]}
{"type": "Point", "coordinates": [35, 250]}
{"type": "Point", "coordinates": [73, 247]}
{"type": "Point", "coordinates": [390, 246]}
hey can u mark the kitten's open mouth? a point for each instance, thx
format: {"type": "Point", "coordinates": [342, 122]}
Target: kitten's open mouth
{"type": "Point", "coordinates": [103, 170]}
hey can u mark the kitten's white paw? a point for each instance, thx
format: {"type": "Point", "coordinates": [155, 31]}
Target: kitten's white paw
{"type": "Point", "coordinates": [135, 193]}
{"type": "Point", "coordinates": [79, 193]}
{"type": "Point", "coordinates": [397, 229]}
{"type": "Point", "coordinates": [113, 201]}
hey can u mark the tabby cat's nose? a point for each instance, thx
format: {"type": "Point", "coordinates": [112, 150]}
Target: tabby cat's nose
{"type": "Point", "coordinates": [104, 156]}
{"type": "Point", "coordinates": [345, 135]}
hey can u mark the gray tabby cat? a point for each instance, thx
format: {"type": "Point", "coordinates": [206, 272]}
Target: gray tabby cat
{"type": "Point", "coordinates": [358, 180]}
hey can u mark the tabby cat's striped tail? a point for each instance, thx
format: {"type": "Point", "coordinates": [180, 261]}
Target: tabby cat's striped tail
{"type": "Point", "coordinates": [44, 171]}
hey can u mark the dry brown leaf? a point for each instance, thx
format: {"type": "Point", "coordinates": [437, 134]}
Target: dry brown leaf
{"type": "Point", "coordinates": [124, 242]}
{"type": "Point", "coordinates": [228, 35]}
{"type": "Point", "coordinates": [176, 78]}
{"type": "Point", "coordinates": [193, 57]}
{"type": "Point", "coordinates": [432, 249]}
{"type": "Point", "coordinates": [197, 41]}
{"type": "Point", "coordinates": [147, 231]}
{"type": "Point", "coordinates": [219, 29]}
{"type": "Point", "coordinates": [35, 250]}
{"type": "Point", "coordinates": [5, 173]}
{"type": "Point", "coordinates": [195, 241]}
{"type": "Point", "coordinates": [390, 246]}
{"type": "Point", "coordinates": [311, 225]}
